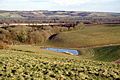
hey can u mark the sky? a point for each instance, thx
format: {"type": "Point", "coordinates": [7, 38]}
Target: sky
{"type": "Point", "coordinates": [63, 5]}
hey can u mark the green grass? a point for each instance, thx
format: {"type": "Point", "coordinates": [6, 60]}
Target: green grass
{"type": "Point", "coordinates": [29, 62]}
{"type": "Point", "coordinates": [87, 37]}
{"type": "Point", "coordinates": [111, 53]}
{"type": "Point", "coordinates": [107, 54]}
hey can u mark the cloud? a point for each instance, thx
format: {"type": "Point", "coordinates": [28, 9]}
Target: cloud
{"type": "Point", "coordinates": [70, 2]}
{"type": "Point", "coordinates": [80, 5]}
{"type": "Point", "coordinates": [59, 2]}
{"type": "Point", "coordinates": [78, 2]}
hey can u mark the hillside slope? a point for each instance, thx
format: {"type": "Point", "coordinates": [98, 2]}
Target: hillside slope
{"type": "Point", "coordinates": [111, 53]}
{"type": "Point", "coordinates": [105, 53]}
{"type": "Point", "coordinates": [87, 36]}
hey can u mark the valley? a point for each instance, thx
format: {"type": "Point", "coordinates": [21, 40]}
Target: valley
{"type": "Point", "coordinates": [59, 45]}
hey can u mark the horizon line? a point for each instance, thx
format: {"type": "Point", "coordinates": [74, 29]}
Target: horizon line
{"type": "Point", "coordinates": [62, 10]}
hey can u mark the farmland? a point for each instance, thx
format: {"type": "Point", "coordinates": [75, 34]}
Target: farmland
{"type": "Point", "coordinates": [22, 56]}
{"type": "Point", "coordinates": [30, 62]}
{"type": "Point", "coordinates": [105, 53]}
{"type": "Point", "coordinates": [59, 42]}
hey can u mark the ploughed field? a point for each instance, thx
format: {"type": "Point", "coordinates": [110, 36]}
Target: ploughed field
{"type": "Point", "coordinates": [30, 62]}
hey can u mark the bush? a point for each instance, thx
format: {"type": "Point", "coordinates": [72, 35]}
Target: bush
{"type": "Point", "coordinates": [4, 34]}
{"type": "Point", "coordinates": [80, 26]}
{"type": "Point", "coordinates": [3, 45]}
{"type": "Point", "coordinates": [35, 37]}
{"type": "Point", "coordinates": [20, 33]}
{"type": "Point", "coordinates": [29, 35]}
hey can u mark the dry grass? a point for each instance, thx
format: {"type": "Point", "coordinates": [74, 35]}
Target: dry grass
{"type": "Point", "coordinates": [88, 36]}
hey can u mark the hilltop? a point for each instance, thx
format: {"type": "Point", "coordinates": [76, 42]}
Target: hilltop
{"type": "Point", "coordinates": [45, 13]}
{"type": "Point", "coordinates": [43, 16]}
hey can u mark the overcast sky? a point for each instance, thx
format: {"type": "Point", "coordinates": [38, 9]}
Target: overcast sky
{"type": "Point", "coordinates": [69, 5]}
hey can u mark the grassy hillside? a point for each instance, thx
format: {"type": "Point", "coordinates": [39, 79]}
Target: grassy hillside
{"type": "Point", "coordinates": [87, 37]}
{"type": "Point", "coordinates": [94, 42]}
{"type": "Point", "coordinates": [30, 62]}
{"type": "Point", "coordinates": [108, 53]}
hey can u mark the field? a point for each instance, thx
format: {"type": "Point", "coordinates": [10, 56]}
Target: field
{"type": "Point", "coordinates": [88, 36]}
{"type": "Point", "coordinates": [97, 42]}
{"type": "Point", "coordinates": [110, 53]}
{"type": "Point", "coordinates": [99, 48]}
{"type": "Point", "coordinates": [30, 62]}
{"type": "Point", "coordinates": [107, 53]}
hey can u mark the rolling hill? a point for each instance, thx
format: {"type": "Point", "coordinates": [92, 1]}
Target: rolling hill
{"type": "Point", "coordinates": [45, 13]}
{"type": "Point", "coordinates": [88, 36]}
{"type": "Point", "coordinates": [59, 16]}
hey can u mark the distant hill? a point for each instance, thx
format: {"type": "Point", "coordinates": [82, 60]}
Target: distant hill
{"type": "Point", "coordinates": [61, 16]}
{"type": "Point", "coordinates": [45, 13]}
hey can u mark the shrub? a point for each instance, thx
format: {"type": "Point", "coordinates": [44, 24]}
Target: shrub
{"type": "Point", "coordinates": [3, 45]}
{"type": "Point", "coordinates": [30, 35]}
{"type": "Point", "coordinates": [20, 33]}
{"type": "Point", "coordinates": [35, 37]}
{"type": "Point", "coordinates": [80, 26]}
{"type": "Point", "coordinates": [4, 34]}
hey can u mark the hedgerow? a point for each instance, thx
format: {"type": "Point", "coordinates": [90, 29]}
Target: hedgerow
{"type": "Point", "coordinates": [28, 34]}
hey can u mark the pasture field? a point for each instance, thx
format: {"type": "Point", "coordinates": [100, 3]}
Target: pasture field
{"type": "Point", "coordinates": [26, 62]}
{"type": "Point", "coordinates": [88, 36]}
{"type": "Point", "coordinates": [110, 53]}
{"type": "Point", "coordinates": [105, 53]}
